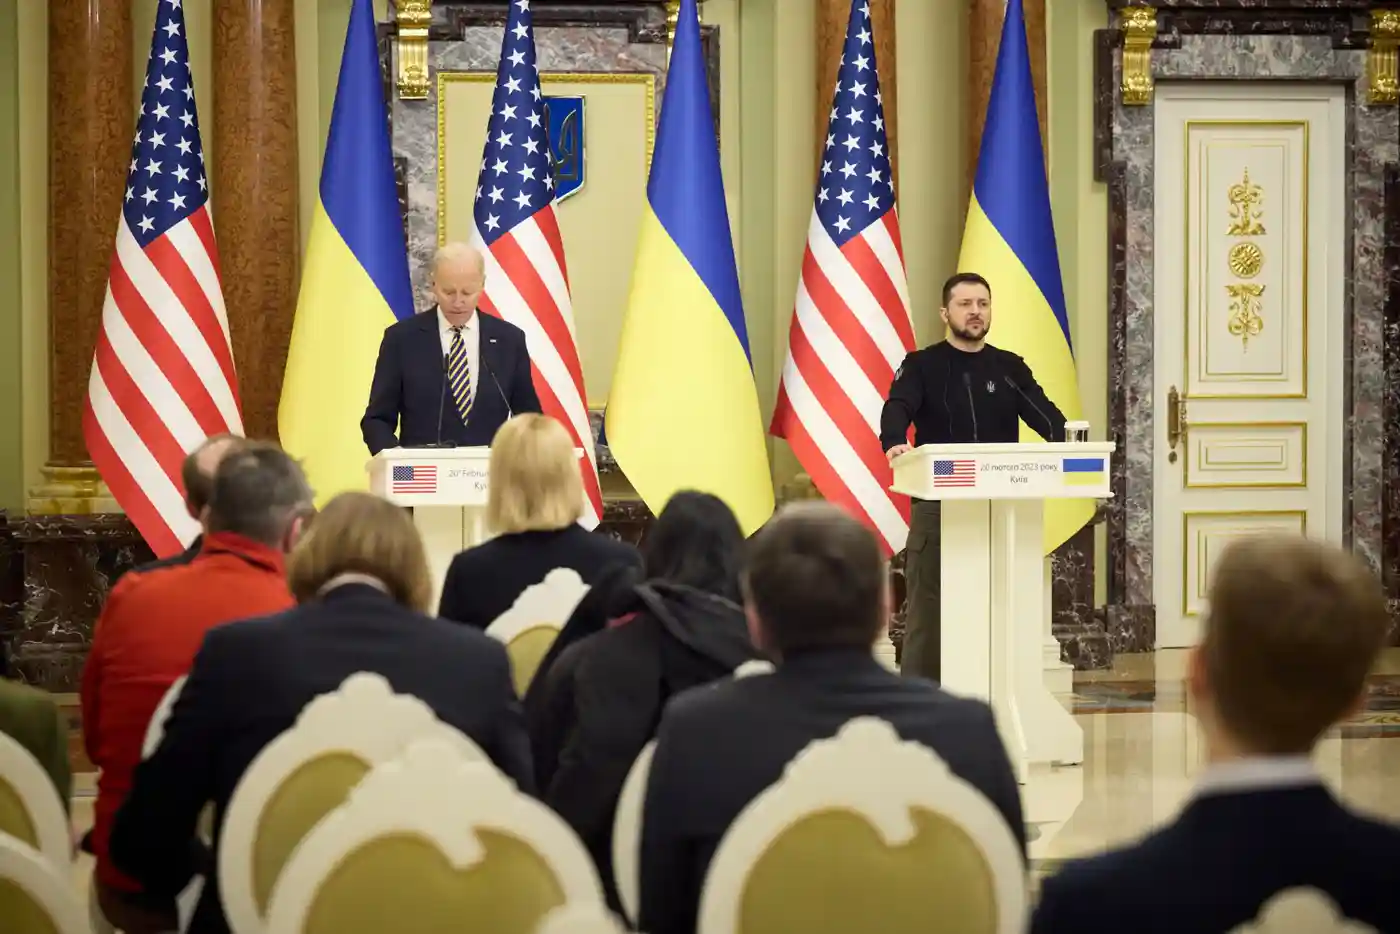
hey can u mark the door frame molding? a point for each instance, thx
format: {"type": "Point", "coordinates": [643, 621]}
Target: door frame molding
{"type": "Point", "coordinates": [1198, 48]}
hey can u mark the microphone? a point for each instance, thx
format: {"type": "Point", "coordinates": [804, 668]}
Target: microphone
{"type": "Point", "coordinates": [499, 391]}
{"type": "Point", "coordinates": [442, 402]}
{"type": "Point", "coordinates": [971, 406]}
{"type": "Point", "coordinates": [1038, 410]}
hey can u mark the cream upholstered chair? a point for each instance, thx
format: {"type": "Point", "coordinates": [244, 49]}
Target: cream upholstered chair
{"type": "Point", "coordinates": [427, 841]}
{"type": "Point", "coordinates": [1302, 911]}
{"type": "Point", "coordinates": [627, 834]}
{"type": "Point", "coordinates": [306, 773]}
{"type": "Point", "coordinates": [533, 622]}
{"type": "Point", "coordinates": [36, 897]}
{"type": "Point", "coordinates": [580, 919]}
{"type": "Point", "coordinates": [155, 730]}
{"type": "Point", "coordinates": [866, 832]}
{"type": "Point", "coordinates": [30, 809]}
{"type": "Point", "coordinates": [627, 820]}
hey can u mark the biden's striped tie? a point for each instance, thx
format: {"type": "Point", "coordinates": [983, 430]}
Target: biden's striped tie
{"type": "Point", "coordinates": [459, 375]}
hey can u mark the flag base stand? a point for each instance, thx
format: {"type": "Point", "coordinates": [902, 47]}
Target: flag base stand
{"type": "Point", "coordinates": [70, 491]}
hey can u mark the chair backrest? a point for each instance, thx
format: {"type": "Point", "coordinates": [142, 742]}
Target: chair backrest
{"type": "Point", "coordinates": [533, 622]}
{"type": "Point", "coordinates": [581, 919]}
{"type": "Point", "coordinates": [754, 666]}
{"type": "Point", "coordinates": [439, 838]}
{"type": "Point", "coordinates": [155, 730]}
{"type": "Point", "coordinates": [627, 834]}
{"type": "Point", "coordinates": [36, 897]}
{"type": "Point", "coordinates": [1302, 911]}
{"type": "Point", "coordinates": [866, 832]}
{"type": "Point", "coordinates": [306, 773]}
{"type": "Point", "coordinates": [30, 809]}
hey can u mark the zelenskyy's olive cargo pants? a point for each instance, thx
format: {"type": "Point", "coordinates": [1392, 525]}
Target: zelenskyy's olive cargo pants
{"type": "Point", "coordinates": [923, 571]}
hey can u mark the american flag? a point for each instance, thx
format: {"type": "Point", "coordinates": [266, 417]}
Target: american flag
{"type": "Point", "coordinates": [851, 325]}
{"type": "Point", "coordinates": [527, 280]}
{"type": "Point", "coordinates": [162, 377]}
{"type": "Point", "coordinates": [406, 478]}
{"type": "Point", "coordinates": [954, 473]}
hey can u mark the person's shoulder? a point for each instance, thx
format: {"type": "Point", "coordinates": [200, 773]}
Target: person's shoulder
{"type": "Point", "coordinates": [411, 323]}
{"type": "Point", "coordinates": [497, 327]}
{"type": "Point", "coordinates": [23, 700]}
{"type": "Point", "coordinates": [615, 549]}
{"type": "Point", "coordinates": [445, 637]}
{"type": "Point", "coordinates": [1115, 870]}
{"type": "Point", "coordinates": [921, 356]}
{"type": "Point", "coordinates": [719, 702]}
{"type": "Point", "coordinates": [1007, 358]}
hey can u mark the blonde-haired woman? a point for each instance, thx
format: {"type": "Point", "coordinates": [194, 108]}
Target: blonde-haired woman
{"type": "Point", "coordinates": [361, 581]}
{"type": "Point", "coordinates": [533, 506]}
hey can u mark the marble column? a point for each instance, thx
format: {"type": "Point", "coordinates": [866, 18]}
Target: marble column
{"type": "Point", "coordinates": [984, 38]}
{"type": "Point", "coordinates": [832, 17]}
{"type": "Point", "coordinates": [254, 194]}
{"type": "Point", "coordinates": [91, 121]}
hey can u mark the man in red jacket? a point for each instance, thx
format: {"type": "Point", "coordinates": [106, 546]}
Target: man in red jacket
{"type": "Point", "coordinates": [153, 623]}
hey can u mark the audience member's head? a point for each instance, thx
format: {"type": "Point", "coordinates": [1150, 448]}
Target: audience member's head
{"type": "Point", "coordinates": [261, 494]}
{"type": "Point", "coordinates": [359, 533]}
{"type": "Point", "coordinates": [1294, 627]}
{"type": "Point", "coordinates": [697, 542]}
{"type": "Point", "coordinates": [200, 465]}
{"type": "Point", "coordinates": [815, 579]}
{"type": "Point", "coordinates": [535, 484]}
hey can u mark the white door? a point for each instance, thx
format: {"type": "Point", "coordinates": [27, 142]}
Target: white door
{"type": "Point", "coordinates": [1248, 314]}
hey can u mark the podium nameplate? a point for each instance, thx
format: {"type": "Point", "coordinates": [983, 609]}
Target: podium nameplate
{"type": "Point", "coordinates": [1005, 471]}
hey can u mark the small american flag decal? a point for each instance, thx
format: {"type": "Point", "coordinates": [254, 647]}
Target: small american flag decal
{"type": "Point", "coordinates": [413, 479]}
{"type": "Point", "coordinates": [949, 473]}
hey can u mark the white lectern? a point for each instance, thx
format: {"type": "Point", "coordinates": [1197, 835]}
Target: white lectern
{"type": "Point", "coordinates": [446, 488]}
{"type": "Point", "coordinates": [993, 578]}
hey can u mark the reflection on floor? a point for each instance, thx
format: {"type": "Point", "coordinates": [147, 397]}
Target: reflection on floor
{"type": "Point", "coordinates": [1141, 752]}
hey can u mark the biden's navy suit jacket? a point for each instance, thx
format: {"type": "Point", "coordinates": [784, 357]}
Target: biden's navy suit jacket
{"type": "Point", "coordinates": [406, 395]}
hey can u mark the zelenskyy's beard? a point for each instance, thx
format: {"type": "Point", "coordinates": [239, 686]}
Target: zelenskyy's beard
{"type": "Point", "coordinates": [967, 334]}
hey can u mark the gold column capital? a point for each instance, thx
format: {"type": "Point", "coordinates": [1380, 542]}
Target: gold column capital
{"type": "Point", "coordinates": [1139, 25]}
{"type": "Point", "coordinates": [412, 22]}
{"type": "Point", "coordinates": [1383, 58]}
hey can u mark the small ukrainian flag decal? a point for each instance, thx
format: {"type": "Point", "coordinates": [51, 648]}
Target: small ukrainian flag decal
{"type": "Point", "coordinates": [1082, 471]}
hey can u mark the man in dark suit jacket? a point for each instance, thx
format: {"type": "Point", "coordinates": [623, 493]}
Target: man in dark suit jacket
{"type": "Point", "coordinates": [817, 600]}
{"type": "Point", "coordinates": [1294, 628]}
{"type": "Point", "coordinates": [449, 375]}
{"type": "Point", "coordinates": [249, 683]}
{"type": "Point", "coordinates": [197, 476]}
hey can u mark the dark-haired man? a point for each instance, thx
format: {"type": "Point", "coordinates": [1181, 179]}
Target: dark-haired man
{"type": "Point", "coordinates": [957, 391]}
{"type": "Point", "coordinates": [1293, 629]}
{"type": "Point", "coordinates": [816, 597]}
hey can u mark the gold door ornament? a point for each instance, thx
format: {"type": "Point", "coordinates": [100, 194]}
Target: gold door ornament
{"type": "Point", "coordinates": [413, 19]}
{"type": "Point", "coordinates": [1246, 260]}
{"type": "Point", "coordinates": [1245, 301]}
{"type": "Point", "coordinates": [1246, 208]}
{"type": "Point", "coordinates": [1383, 59]}
{"type": "Point", "coordinates": [1139, 25]}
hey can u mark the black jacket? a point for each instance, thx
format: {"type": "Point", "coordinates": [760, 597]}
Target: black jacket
{"type": "Point", "coordinates": [719, 746]}
{"type": "Point", "coordinates": [955, 397]}
{"type": "Point", "coordinates": [485, 580]}
{"type": "Point", "coordinates": [603, 698]}
{"type": "Point", "coordinates": [1213, 868]}
{"type": "Point", "coordinates": [406, 394]}
{"type": "Point", "coordinates": [249, 683]}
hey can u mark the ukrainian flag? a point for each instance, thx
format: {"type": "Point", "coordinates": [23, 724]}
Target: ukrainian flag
{"type": "Point", "coordinates": [1010, 239]}
{"type": "Point", "coordinates": [354, 282]}
{"type": "Point", "coordinates": [683, 412]}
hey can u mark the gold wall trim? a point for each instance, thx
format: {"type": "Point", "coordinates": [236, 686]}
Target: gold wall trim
{"type": "Point", "coordinates": [445, 78]}
{"type": "Point", "coordinates": [1202, 572]}
{"type": "Point", "coordinates": [1139, 30]}
{"type": "Point", "coordinates": [413, 19]}
{"type": "Point", "coordinates": [1383, 58]}
{"type": "Point", "coordinates": [1187, 375]}
{"type": "Point", "coordinates": [1188, 484]}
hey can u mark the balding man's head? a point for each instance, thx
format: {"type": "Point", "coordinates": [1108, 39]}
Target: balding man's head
{"type": "Point", "coordinates": [197, 472]}
{"type": "Point", "coordinates": [459, 278]}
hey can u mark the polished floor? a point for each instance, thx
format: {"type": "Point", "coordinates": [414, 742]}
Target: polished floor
{"type": "Point", "coordinates": [1141, 753]}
